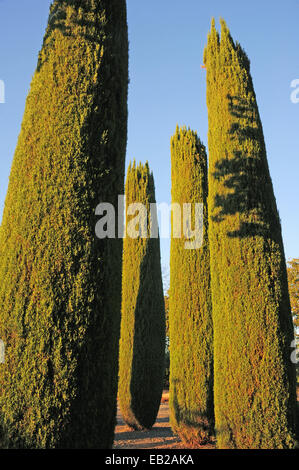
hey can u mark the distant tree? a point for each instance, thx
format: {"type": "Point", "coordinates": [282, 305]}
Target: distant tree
{"type": "Point", "coordinates": [190, 309]}
{"type": "Point", "coordinates": [60, 286]}
{"type": "Point", "coordinates": [254, 387]}
{"type": "Point", "coordinates": [142, 341]}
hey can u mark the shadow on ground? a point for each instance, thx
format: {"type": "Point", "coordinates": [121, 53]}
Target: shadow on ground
{"type": "Point", "coordinates": [159, 437]}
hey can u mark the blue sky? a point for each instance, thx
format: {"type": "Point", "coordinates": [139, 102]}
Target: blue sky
{"type": "Point", "coordinates": [167, 85]}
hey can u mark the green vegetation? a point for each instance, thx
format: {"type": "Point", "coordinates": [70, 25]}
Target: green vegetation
{"type": "Point", "coordinates": [167, 352]}
{"type": "Point", "coordinates": [142, 343]}
{"type": "Point", "coordinates": [190, 312]}
{"type": "Point", "coordinates": [60, 286]}
{"type": "Point", "coordinates": [255, 395]}
{"type": "Point", "coordinates": [293, 278]}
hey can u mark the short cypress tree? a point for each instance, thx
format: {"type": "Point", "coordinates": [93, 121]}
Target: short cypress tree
{"type": "Point", "coordinates": [142, 342]}
{"type": "Point", "coordinates": [60, 288]}
{"type": "Point", "coordinates": [254, 376]}
{"type": "Point", "coordinates": [190, 312]}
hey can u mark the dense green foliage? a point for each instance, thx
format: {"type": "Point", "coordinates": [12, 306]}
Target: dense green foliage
{"type": "Point", "coordinates": [293, 279]}
{"type": "Point", "coordinates": [60, 286]}
{"type": "Point", "coordinates": [254, 376]}
{"type": "Point", "coordinates": [190, 312]}
{"type": "Point", "coordinates": [142, 343]}
{"type": "Point", "coordinates": [167, 352]}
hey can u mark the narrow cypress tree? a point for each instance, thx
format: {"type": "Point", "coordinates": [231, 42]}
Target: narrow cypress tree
{"type": "Point", "coordinates": [254, 377]}
{"type": "Point", "coordinates": [190, 312]}
{"type": "Point", "coordinates": [142, 342]}
{"type": "Point", "coordinates": [60, 288]}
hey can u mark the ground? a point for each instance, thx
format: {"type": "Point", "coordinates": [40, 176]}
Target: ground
{"type": "Point", "coordinates": [159, 437]}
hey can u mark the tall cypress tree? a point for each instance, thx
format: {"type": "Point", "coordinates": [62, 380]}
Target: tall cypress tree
{"type": "Point", "coordinates": [142, 342]}
{"type": "Point", "coordinates": [60, 286]}
{"type": "Point", "coordinates": [254, 377]}
{"type": "Point", "coordinates": [190, 312]}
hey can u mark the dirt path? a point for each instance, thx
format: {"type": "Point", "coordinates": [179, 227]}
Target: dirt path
{"type": "Point", "coordinates": [159, 437]}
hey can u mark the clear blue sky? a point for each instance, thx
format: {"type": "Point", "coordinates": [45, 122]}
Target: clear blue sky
{"type": "Point", "coordinates": [167, 85]}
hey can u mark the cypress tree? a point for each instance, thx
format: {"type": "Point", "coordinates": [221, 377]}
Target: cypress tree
{"type": "Point", "coordinates": [254, 377]}
{"type": "Point", "coordinates": [190, 312]}
{"type": "Point", "coordinates": [60, 288]}
{"type": "Point", "coordinates": [142, 342]}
